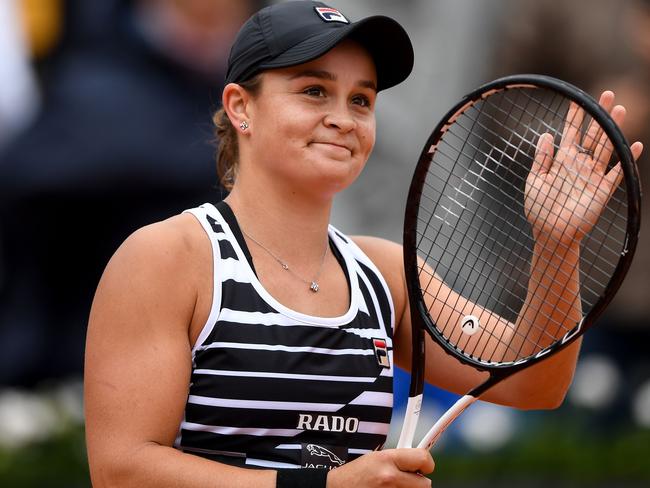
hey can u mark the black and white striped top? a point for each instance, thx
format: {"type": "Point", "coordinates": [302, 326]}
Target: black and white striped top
{"type": "Point", "coordinates": [271, 387]}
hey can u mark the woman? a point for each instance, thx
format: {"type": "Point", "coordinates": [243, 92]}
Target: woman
{"type": "Point", "coordinates": [252, 334]}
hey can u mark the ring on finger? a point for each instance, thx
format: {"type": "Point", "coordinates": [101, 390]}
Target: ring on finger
{"type": "Point", "coordinates": [583, 150]}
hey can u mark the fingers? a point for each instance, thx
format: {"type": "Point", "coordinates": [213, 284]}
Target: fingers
{"type": "Point", "coordinates": [543, 154]}
{"type": "Point", "coordinates": [605, 146]}
{"type": "Point", "coordinates": [392, 468]}
{"type": "Point", "coordinates": [572, 125]}
{"type": "Point", "coordinates": [413, 460]}
{"type": "Point", "coordinates": [637, 149]}
{"type": "Point", "coordinates": [615, 176]}
{"type": "Point", "coordinates": [592, 140]}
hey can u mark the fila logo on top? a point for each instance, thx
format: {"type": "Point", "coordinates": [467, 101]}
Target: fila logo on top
{"type": "Point", "coordinates": [381, 352]}
{"type": "Point", "coordinates": [331, 15]}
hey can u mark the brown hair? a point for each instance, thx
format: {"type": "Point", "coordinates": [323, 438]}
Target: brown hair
{"type": "Point", "coordinates": [226, 134]}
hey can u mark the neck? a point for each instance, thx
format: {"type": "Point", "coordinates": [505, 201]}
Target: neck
{"type": "Point", "coordinates": [289, 224]}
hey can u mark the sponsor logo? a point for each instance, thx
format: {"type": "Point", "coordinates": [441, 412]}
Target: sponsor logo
{"type": "Point", "coordinates": [320, 451]}
{"type": "Point", "coordinates": [320, 456]}
{"type": "Point", "coordinates": [381, 352]}
{"type": "Point", "coordinates": [331, 15]}
{"type": "Point", "coordinates": [469, 325]}
{"type": "Point", "coordinates": [327, 423]}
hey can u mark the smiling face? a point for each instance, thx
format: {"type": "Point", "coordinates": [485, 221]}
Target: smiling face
{"type": "Point", "coordinates": [313, 125]}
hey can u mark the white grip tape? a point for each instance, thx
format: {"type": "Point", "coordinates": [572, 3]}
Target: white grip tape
{"type": "Point", "coordinates": [450, 415]}
{"type": "Point", "coordinates": [411, 416]}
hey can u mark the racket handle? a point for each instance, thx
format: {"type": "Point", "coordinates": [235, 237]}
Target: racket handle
{"type": "Point", "coordinates": [450, 415]}
{"type": "Point", "coordinates": [411, 416]}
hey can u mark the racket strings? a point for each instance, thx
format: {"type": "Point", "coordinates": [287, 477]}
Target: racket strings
{"type": "Point", "coordinates": [458, 345]}
{"type": "Point", "coordinates": [604, 217]}
{"type": "Point", "coordinates": [536, 133]}
{"type": "Point", "coordinates": [472, 186]}
{"type": "Point", "coordinates": [613, 224]}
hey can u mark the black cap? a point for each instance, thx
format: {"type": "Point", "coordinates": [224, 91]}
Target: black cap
{"type": "Point", "coordinates": [292, 33]}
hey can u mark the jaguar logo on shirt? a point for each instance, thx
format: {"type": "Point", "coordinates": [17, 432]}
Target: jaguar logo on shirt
{"type": "Point", "coordinates": [320, 451]}
{"type": "Point", "coordinates": [319, 456]}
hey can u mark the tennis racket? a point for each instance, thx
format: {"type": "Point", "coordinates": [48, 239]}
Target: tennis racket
{"type": "Point", "coordinates": [521, 222]}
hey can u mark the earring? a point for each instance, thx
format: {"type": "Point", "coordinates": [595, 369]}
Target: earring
{"type": "Point", "coordinates": [243, 125]}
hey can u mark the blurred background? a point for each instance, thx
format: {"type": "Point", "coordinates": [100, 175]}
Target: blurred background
{"type": "Point", "coordinates": [105, 126]}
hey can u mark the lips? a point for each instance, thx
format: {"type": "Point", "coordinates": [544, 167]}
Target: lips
{"type": "Point", "coordinates": [334, 144]}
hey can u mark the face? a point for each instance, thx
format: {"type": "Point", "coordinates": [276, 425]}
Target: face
{"type": "Point", "coordinates": [313, 125]}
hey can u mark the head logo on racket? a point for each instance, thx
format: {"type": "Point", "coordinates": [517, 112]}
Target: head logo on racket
{"type": "Point", "coordinates": [470, 324]}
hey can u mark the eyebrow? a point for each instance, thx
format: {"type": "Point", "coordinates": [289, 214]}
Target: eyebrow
{"type": "Point", "coordinates": [326, 75]}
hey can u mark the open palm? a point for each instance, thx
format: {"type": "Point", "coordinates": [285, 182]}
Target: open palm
{"type": "Point", "coordinates": [568, 188]}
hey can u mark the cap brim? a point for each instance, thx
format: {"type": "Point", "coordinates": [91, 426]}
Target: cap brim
{"type": "Point", "coordinates": [386, 41]}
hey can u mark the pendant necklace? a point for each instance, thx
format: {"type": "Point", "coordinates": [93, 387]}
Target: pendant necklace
{"type": "Point", "coordinates": [313, 284]}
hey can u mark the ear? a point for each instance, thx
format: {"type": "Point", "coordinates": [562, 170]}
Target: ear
{"type": "Point", "coordinates": [235, 100]}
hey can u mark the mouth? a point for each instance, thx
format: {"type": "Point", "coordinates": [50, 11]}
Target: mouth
{"type": "Point", "coordinates": [335, 146]}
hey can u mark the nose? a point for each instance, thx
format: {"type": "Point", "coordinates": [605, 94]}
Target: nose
{"type": "Point", "coordinates": [339, 118]}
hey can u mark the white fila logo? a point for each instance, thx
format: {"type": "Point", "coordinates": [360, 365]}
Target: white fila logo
{"type": "Point", "coordinates": [381, 352]}
{"type": "Point", "coordinates": [331, 15]}
{"type": "Point", "coordinates": [327, 423]}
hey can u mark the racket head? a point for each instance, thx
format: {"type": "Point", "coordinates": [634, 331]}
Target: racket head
{"type": "Point", "coordinates": [526, 94]}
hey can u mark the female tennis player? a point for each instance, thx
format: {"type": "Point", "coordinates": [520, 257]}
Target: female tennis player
{"type": "Point", "coordinates": [250, 343]}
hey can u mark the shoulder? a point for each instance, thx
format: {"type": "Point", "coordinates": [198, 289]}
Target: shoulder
{"type": "Point", "coordinates": [387, 257]}
{"type": "Point", "coordinates": [167, 243]}
{"type": "Point", "coordinates": [161, 259]}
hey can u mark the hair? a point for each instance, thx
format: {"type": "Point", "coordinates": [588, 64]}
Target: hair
{"type": "Point", "coordinates": [226, 136]}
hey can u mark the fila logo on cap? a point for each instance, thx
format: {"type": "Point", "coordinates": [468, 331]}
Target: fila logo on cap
{"type": "Point", "coordinates": [381, 352]}
{"type": "Point", "coordinates": [331, 15]}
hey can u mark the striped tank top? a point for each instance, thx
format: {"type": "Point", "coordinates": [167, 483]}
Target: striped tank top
{"type": "Point", "coordinates": [274, 388]}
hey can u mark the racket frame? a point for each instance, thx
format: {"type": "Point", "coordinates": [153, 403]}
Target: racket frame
{"type": "Point", "coordinates": [421, 320]}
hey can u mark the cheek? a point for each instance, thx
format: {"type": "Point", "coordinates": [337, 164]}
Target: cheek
{"type": "Point", "coordinates": [367, 138]}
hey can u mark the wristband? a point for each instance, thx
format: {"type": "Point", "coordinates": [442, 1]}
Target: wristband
{"type": "Point", "coordinates": [300, 478]}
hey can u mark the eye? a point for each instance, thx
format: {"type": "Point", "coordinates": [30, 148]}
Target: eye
{"type": "Point", "coordinates": [361, 100]}
{"type": "Point", "coordinates": [314, 91]}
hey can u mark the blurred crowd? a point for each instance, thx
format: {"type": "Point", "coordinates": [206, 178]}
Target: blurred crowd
{"type": "Point", "coordinates": [105, 126]}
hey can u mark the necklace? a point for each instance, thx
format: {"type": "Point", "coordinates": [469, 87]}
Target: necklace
{"type": "Point", "coordinates": [313, 284]}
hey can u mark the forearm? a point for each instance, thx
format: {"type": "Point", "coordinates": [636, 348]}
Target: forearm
{"type": "Point", "coordinates": [552, 306]}
{"type": "Point", "coordinates": [551, 309]}
{"type": "Point", "coordinates": [154, 465]}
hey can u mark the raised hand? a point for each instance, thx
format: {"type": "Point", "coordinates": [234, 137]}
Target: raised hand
{"type": "Point", "coordinates": [568, 188]}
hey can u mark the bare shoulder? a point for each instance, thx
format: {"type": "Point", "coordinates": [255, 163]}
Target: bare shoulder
{"type": "Point", "coordinates": [170, 244]}
{"type": "Point", "coordinates": [387, 256]}
{"type": "Point", "coordinates": [156, 267]}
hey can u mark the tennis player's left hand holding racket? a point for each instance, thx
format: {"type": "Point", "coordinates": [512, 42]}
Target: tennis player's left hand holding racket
{"type": "Point", "coordinates": [521, 222]}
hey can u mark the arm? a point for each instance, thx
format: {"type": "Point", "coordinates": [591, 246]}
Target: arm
{"type": "Point", "coordinates": [138, 365]}
{"type": "Point", "coordinates": [540, 386]}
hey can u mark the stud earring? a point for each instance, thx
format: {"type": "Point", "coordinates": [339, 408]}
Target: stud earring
{"type": "Point", "coordinates": [243, 125]}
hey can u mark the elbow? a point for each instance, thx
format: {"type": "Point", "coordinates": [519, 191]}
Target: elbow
{"type": "Point", "coordinates": [107, 475]}
{"type": "Point", "coordinates": [112, 473]}
{"type": "Point", "coordinates": [548, 397]}
{"type": "Point", "coordinates": [552, 402]}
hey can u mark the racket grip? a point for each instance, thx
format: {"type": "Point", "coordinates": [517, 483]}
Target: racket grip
{"type": "Point", "coordinates": [443, 422]}
{"type": "Point", "coordinates": [411, 416]}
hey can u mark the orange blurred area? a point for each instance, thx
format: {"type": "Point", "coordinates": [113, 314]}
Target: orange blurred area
{"type": "Point", "coordinates": [43, 24]}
